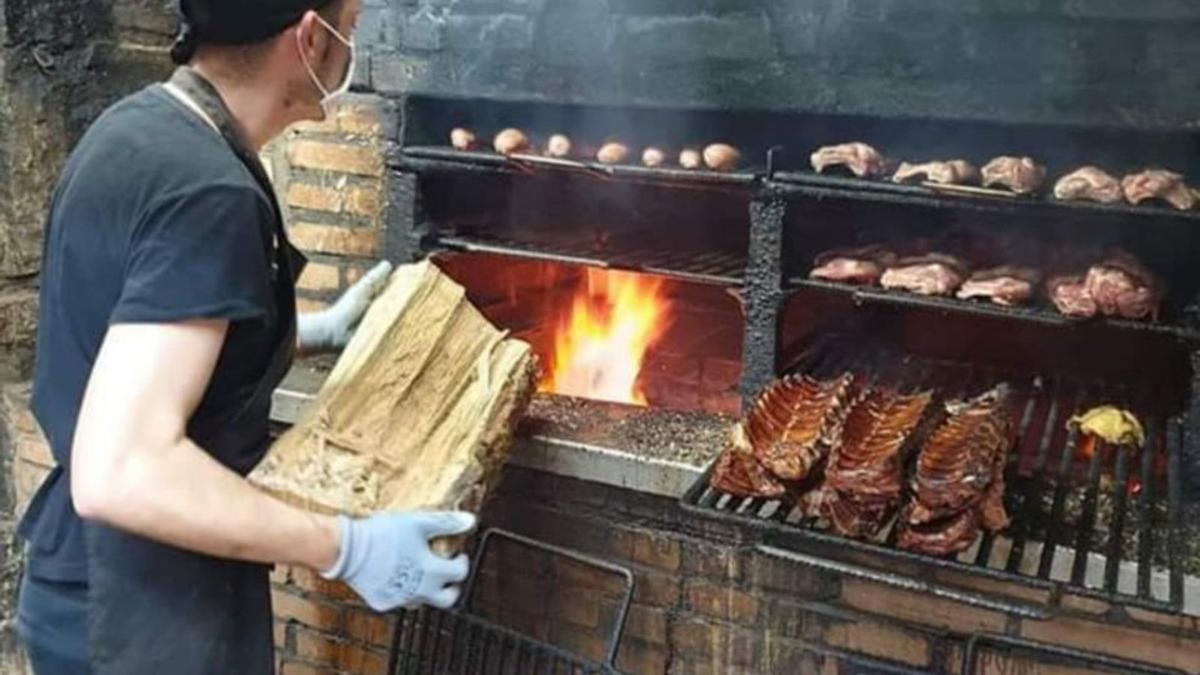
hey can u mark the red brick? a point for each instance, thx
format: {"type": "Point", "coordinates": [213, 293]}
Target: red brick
{"type": "Point", "coordinates": [721, 602]}
{"type": "Point", "coordinates": [320, 277]}
{"type": "Point", "coordinates": [362, 661]}
{"type": "Point", "coordinates": [307, 611]}
{"type": "Point", "coordinates": [307, 154]}
{"type": "Point", "coordinates": [280, 634]}
{"type": "Point", "coordinates": [1116, 640]}
{"type": "Point", "coordinates": [312, 582]}
{"type": "Point", "coordinates": [359, 120]}
{"type": "Point", "coordinates": [290, 667]}
{"type": "Point", "coordinates": [327, 126]}
{"type": "Point", "coordinates": [732, 648]}
{"type": "Point", "coordinates": [648, 624]}
{"type": "Point", "coordinates": [656, 589]}
{"type": "Point", "coordinates": [355, 201]}
{"type": "Point", "coordinates": [335, 240]}
{"type": "Point", "coordinates": [1085, 605]}
{"type": "Point", "coordinates": [575, 575]}
{"type": "Point", "coordinates": [318, 648]}
{"type": "Point", "coordinates": [711, 561]}
{"type": "Point", "coordinates": [720, 375]}
{"type": "Point", "coordinates": [33, 448]}
{"type": "Point", "coordinates": [638, 658]}
{"type": "Point", "coordinates": [920, 608]}
{"type": "Point", "coordinates": [369, 628]}
{"type": "Point", "coordinates": [656, 550]}
{"type": "Point", "coordinates": [880, 640]}
{"type": "Point", "coordinates": [1181, 622]}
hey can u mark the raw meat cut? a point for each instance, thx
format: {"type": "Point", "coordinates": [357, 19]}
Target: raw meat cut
{"type": "Point", "coordinates": [853, 266]}
{"type": "Point", "coordinates": [864, 474]}
{"type": "Point", "coordinates": [1123, 287]}
{"type": "Point", "coordinates": [796, 421]}
{"type": "Point", "coordinates": [738, 473]}
{"type": "Point", "coordinates": [933, 274]}
{"type": "Point", "coordinates": [1089, 184]}
{"type": "Point", "coordinates": [960, 471]}
{"type": "Point", "coordinates": [1022, 175]}
{"type": "Point", "coordinates": [1070, 295]}
{"type": "Point", "coordinates": [1158, 184]}
{"type": "Point", "coordinates": [1002, 285]}
{"type": "Point", "coordinates": [860, 158]}
{"type": "Point", "coordinates": [953, 172]}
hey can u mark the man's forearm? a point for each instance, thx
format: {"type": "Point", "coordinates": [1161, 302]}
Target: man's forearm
{"type": "Point", "coordinates": [179, 495]}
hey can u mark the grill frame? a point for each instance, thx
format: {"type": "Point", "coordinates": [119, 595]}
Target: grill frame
{"type": "Point", "coordinates": [414, 626]}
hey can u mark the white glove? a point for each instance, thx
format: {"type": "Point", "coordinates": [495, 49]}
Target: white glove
{"type": "Point", "coordinates": [386, 559]}
{"type": "Point", "coordinates": [331, 329]}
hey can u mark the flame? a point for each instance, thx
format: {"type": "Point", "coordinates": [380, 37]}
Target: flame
{"type": "Point", "coordinates": [600, 343]}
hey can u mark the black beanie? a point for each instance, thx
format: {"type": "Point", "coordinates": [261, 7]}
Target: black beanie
{"type": "Point", "coordinates": [234, 22]}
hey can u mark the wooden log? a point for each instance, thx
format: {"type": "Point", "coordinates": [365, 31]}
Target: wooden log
{"type": "Point", "coordinates": [418, 413]}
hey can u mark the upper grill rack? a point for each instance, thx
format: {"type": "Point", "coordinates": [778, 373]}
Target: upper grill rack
{"type": "Point", "coordinates": [655, 257]}
{"type": "Point", "coordinates": [1105, 526]}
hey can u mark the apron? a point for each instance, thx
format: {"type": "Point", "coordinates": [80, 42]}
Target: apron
{"type": "Point", "coordinates": [155, 609]}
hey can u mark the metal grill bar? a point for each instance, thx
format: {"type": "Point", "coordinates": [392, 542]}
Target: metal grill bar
{"type": "Point", "coordinates": [1046, 316]}
{"type": "Point", "coordinates": [662, 258]}
{"type": "Point", "coordinates": [1041, 407]}
{"type": "Point", "coordinates": [818, 186]}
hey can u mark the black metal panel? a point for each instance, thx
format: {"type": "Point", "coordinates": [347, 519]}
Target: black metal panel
{"type": "Point", "coordinates": [763, 295]}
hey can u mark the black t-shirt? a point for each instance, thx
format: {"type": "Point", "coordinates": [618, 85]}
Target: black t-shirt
{"type": "Point", "coordinates": [153, 220]}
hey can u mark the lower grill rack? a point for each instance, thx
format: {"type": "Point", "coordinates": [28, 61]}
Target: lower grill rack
{"type": "Point", "coordinates": [1099, 520]}
{"type": "Point", "coordinates": [456, 642]}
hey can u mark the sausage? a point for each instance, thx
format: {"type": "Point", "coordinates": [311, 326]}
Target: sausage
{"type": "Point", "coordinates": [612, 153]}
{"type": "Point", "coordinates": [690, 159]}
{"type": "Point", "coordinates": [558, 146]}
{"type": "Point", "coordinates": [511, 140]}
{"type": "Point", "coordinates": [653, 157]}
{"type": "Point", "coordinates": [721, 157]}
{"type": "Point", "coordinates": [463, 139]}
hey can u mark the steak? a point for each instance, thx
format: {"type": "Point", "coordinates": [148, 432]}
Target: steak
{"type": "Point", "coordinates": [1002, 285]}
{"type": "Point", "coordinates": [953, 172]}
{"type": "Point", "coordinates": [864, 474]}
{"type": "Point", "coordinates": [1022, 175]}
{"type": "Point", "coordinates": [1158, 184]}
{"type": "Point", "coordinates": [1070, 295]}
{"type": "Point", "coordinates": [861, 159]}
{"type": "Point", "coordinates": [738, 473]}
{"type": "Point", "coordinates": [853, 266]}
{"type": "Point", "coordinates": [1121, 286]}
{"type": "Point", "coordinates": [958, 485]}
{"type": "Point", "coordinates": [796, 421]}
{"type": "Point", "coordinates": [933, 274]}
{"type": "Point", "coordinates": [1089, 184]}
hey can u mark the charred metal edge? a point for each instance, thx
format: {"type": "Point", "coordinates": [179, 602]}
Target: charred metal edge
{"type": "Point", "coordinates": [1063, 656]}
{"type": "Point", "coordinates": [405, 227]}
{"type": "Point", "coordinates": [763, 296]}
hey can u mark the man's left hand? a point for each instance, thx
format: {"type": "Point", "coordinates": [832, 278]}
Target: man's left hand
{"type": "Point", "coordinates": [331, 329]}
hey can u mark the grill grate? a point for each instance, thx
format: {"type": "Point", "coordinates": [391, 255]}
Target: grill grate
{"type": "Point", "coordinates": [453, 642]}
{"type": "Point", "coordinates": [653, 257]}
{"type": "Point", "coordinates": [1105, 526]}
{"type": "Point", "coordinates": [1028, 314]}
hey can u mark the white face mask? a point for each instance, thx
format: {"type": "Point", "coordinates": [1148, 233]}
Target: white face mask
{"type": "Point", "coordinates": [328, 97]}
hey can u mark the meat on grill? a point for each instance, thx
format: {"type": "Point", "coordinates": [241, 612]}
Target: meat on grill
{"type": "Point", "coordinates": [860, 158]}
{"type": "Point", "coordinates": [1158, 184]}
{"type": "Point", "coordinates": [796, 421]}
{"type": "Point", "coordinates": [864, 474]}
{"type": "Point", "coordinates": [956, 474]}
{"type": "Point", "coordinates": [1122, 287]}
{"type": "Point", "coordinates": [953, 172]}
{"type": "Point", "coordinates": [738, 473]}
{"type": "Point", "coordinates": [854, 266]}
{"type": "Point", "coordinates": [933, 274]}
{"type": "Point", "coordinates": [1070, 295]}
{"type": "Point", "coordinates": [1022, 175]}
{"type": "Point", "coordinates": [1002, 285]}
{"type": "Point", "coordinates": [1089, 184]}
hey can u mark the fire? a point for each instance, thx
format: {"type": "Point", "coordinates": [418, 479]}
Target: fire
{"type": "Point", "coordinates": [600, 343]}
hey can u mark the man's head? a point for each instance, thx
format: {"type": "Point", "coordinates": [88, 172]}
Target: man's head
{"type": "Point", "coordinates": [301, 49]}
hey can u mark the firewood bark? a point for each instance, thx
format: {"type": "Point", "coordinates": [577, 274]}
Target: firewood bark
{"type": "Point", "coordinates": [418, 413]}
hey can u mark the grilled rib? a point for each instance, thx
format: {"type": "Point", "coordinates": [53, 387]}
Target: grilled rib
{"type": "Point", "coordinates": [738, 473]}
{"type": "Point", "coordinates": [795, 423]}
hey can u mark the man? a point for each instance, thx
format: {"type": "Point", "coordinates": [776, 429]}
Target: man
{"type": "Point", "coordinates": [167, 318]}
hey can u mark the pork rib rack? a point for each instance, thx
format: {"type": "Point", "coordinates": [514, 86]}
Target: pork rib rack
{"type": "Point", "coordinates": [797, 421]}
{"type": "Point", "coordinates": [738, 472]}
{"type": "Point", "coordinates": [959, 482]}
{"type": "Point", "coordinates": [864, 474]}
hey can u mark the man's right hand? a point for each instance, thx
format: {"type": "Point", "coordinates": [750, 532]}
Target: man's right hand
{"type": "Point", "coordinates": [387, 560]}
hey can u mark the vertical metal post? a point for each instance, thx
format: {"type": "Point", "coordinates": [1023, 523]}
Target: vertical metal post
{"type": "Point", "coordinates": [405, 227]}
{"type": "Point", "coordinates": [1190, 480]}
{"type": "Point", "coordinates": [763, 295]}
